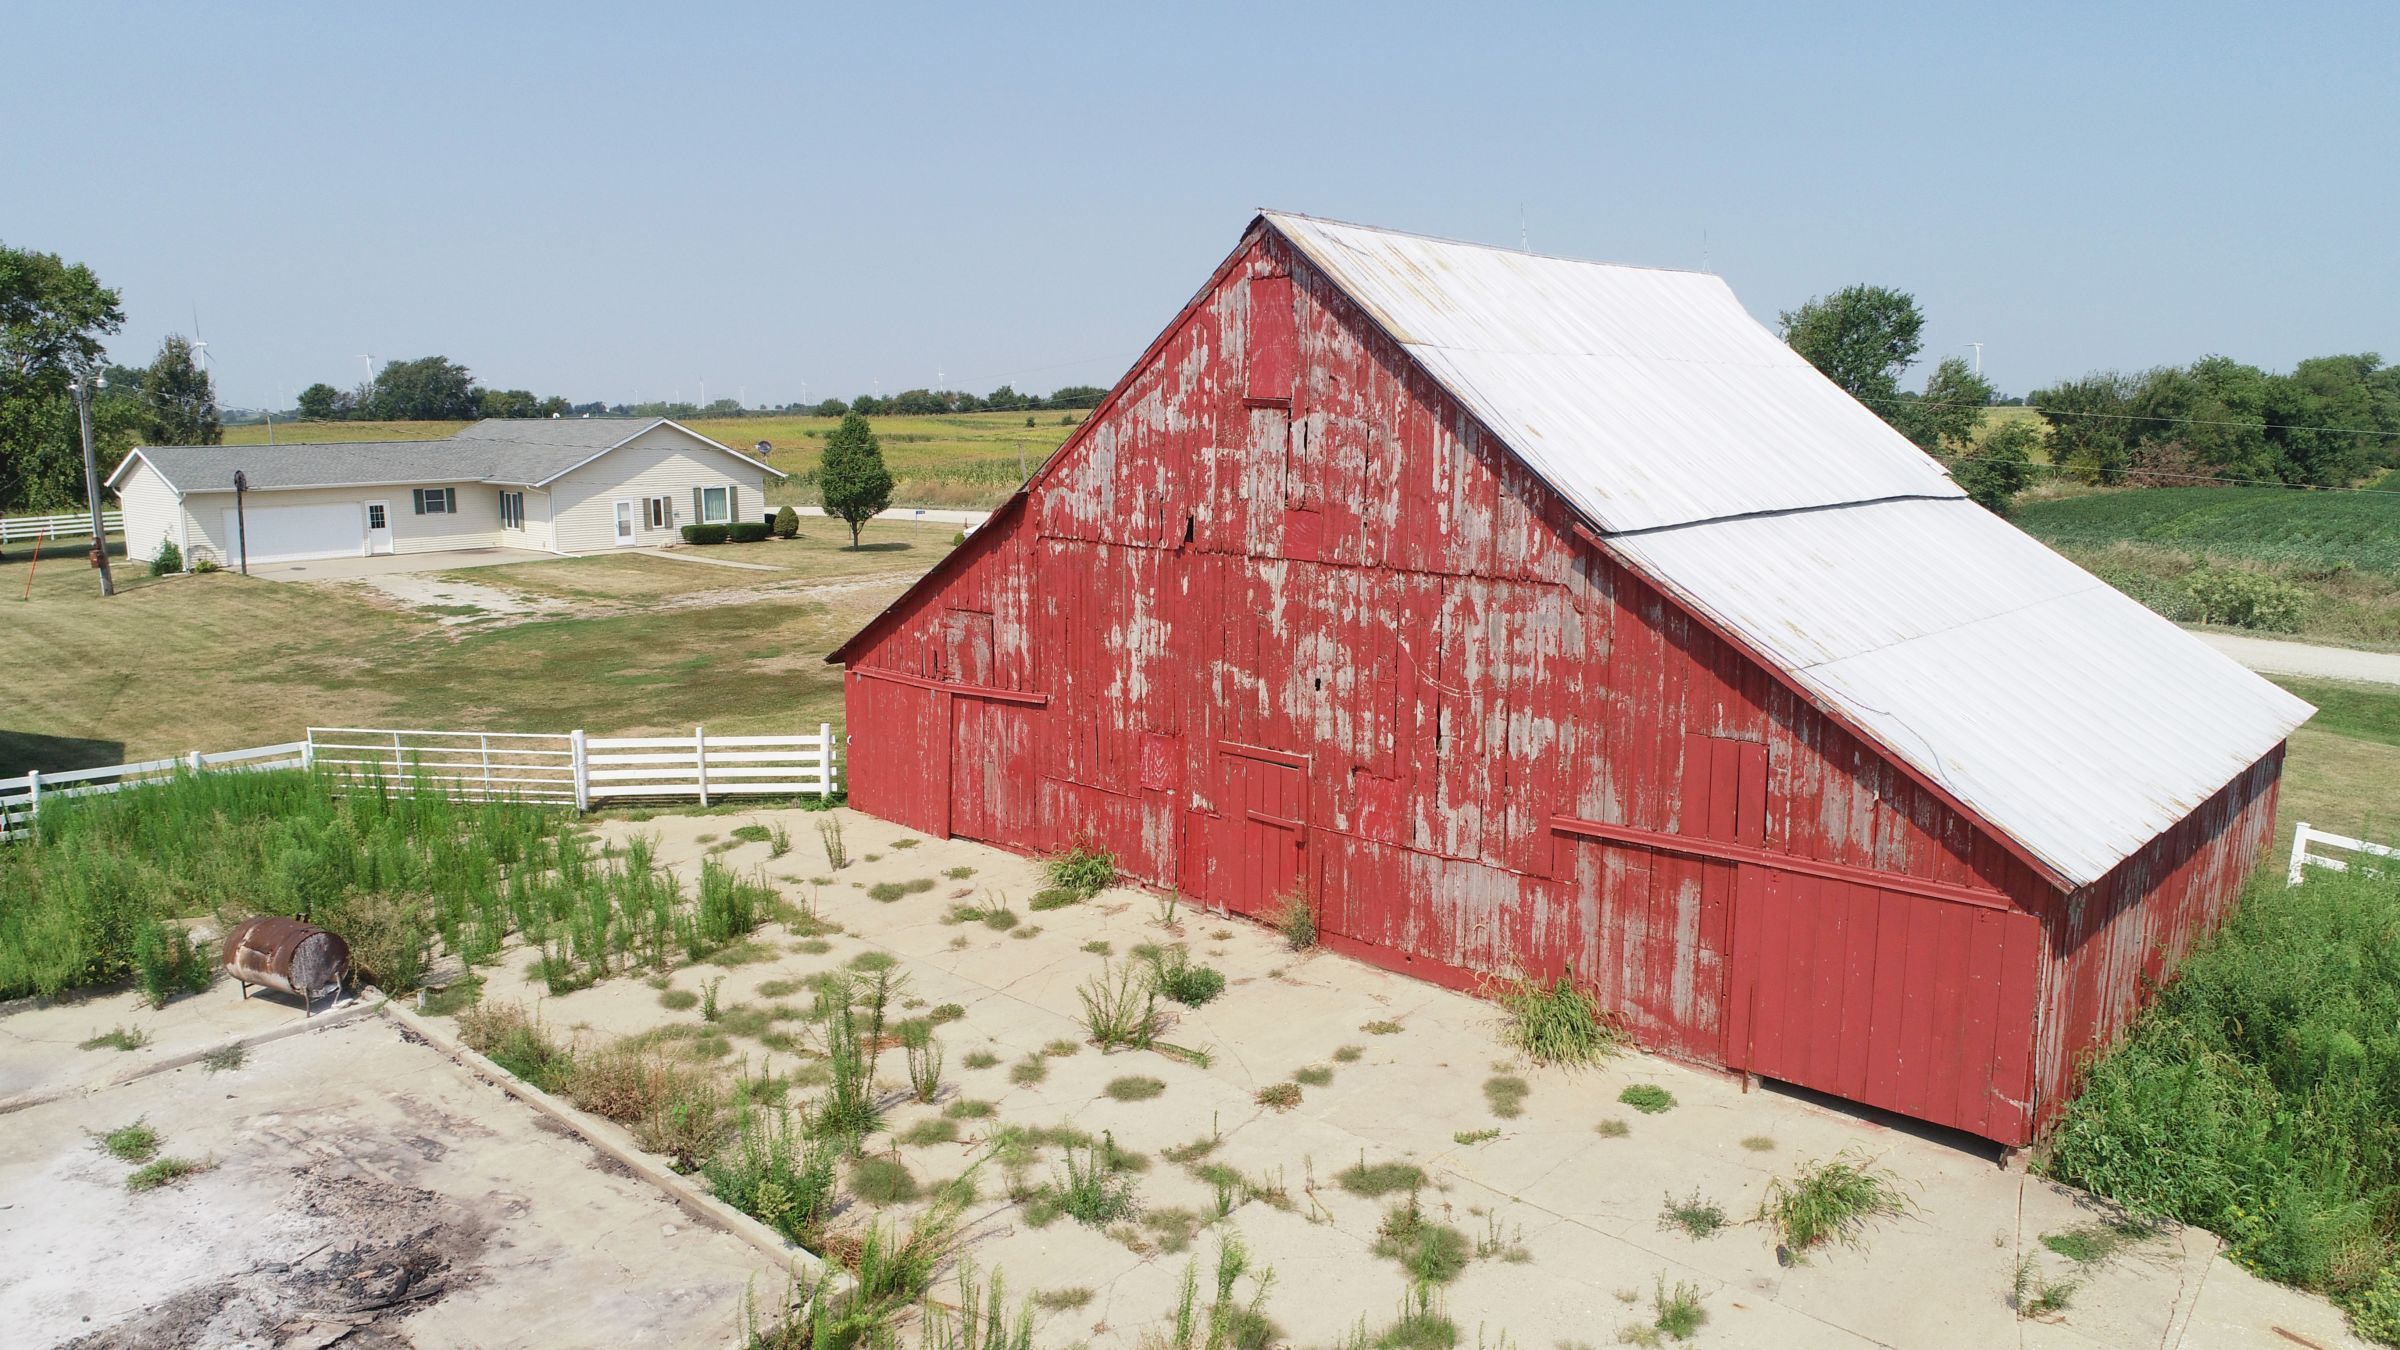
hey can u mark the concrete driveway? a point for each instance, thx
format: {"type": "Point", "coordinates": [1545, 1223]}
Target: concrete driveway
{"type": "Point", "coordinates": [393, 564]}
{"type": "Point", "coordinates": [2273, 656]}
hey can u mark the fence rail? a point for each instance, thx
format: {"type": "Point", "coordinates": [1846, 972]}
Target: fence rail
{"type": "Point", "coordinates": [73, 524]}
{"type": "Point", "coordinates": [2303, 858]}
{"type": "Point", "coordinates": [568, 768]}
{"type": "Point", "coordinates": [21, 797]}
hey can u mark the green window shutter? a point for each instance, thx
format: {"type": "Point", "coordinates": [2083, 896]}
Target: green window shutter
{"type": "Point", "coordinates": [697, 517]}
{"type": "Point", "coordinates": [418, 494]}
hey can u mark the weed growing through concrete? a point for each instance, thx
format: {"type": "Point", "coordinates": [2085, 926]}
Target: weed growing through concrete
{"type": "Point", "coordinates": [889, 891]}
{"type": "Point", "coordinates": [1556, 1023]}
{"type": "Point", "coordinates": [1083, 871]}
{"type": "Point", "coordinates": [1181, 979]}
{"type": "Point", "coordinates": [2036, 1296]}
{"type": "Point", "coordinates": [1612, 1128]}
{"type": "Point", "coordinates": [1648, 1098]}
{"type": "Point", "coordinates": [119, 1038]}
{"type": "Point", "coordinates": [1100, 947]}
{"type": "Point", "coordinates": [1830, 1201]}
{"type": "Point", "coordinates": [1381, 1028]}
{"type": "Point", "coordinates": [881, 1180]}
{"type": "Point", "coordinates": [1678, 1310]}
{"type": "Point", "coordinates": [1499, 1245]}
{"type": "Point", "coordinates": [1431, 1252]}
{"type": "Point", "coordinates": [1505, 1093]}
{"type": "Point", "coordinates": [1315, 1075]}
{"type": "Point", "coordinates": [2092, 1243]}
{"type": "Point", "coordinates": [959, 873]}
{"type": "Point", "coordinates": [708, 999]}
{"type": "Point", "coordinates": [980, 1059]}
{"type": "Point", "coordinates": [871, 962]}
{"type": "Point", "coordinates": [898, 844]}
{"type": "Point", "coordinates": [1134, 1088]}
{"type": "Point", "coordinates": [925, 1069]}
{"type": "Point", "coordinates": [779, 840]}
{"type": "Point", "coordinates": [1029, 1071]}
{"type": "Point", "coordinates": [854, 1037]}
{"type": "Point", "coordinates": [1165, 907]}
{"type": "Point", "coordinates": [779, 988]}
{"type": "Point", "coordinates": [225, 1058]}
{"type": "Point", "coordinates": [829, 833]}
{"type": "Point", "coordinates": [1377, 1180]}
{"type": "Point", "coordinates": [1062, 1048]}
{"type": "Point", "coordinates": [1475, 1136]}
{"type": "Point", "coordinates": [1348, 1054]}
{"type": "Point", "coordinates": [932, 1130]}
{"type": "Point", "coordinates": [1120, 1007]}
{"type": "Point", "coordinates": [1279, 1096]}
{"type": "Point", "coordinates": [967, 1108]}
{"type": "Point", "coordinates": [1759, 1143]}
{"type": "Point", "coordinates": [1692, 1216]}
{"type": "Point", "coordinates": [750, 833]}
{"type": "Point", "coordinates": [1095, 1190]}
{"type": "Point", "coordinates": [1228, 1323]}
{"type": "Point", "coordinates": [775, 1174]}
{"type": "Point", "coordinates": [165, 1172]}
{"type": "Point", "coordinates": [135, 1143]}
{"type": "Point", "coordinates": [1062, 1300]}
{"type": "Point", "coordinates": [1294, 915]}
{"type": "Point", "coordinates": [812, 946]}
{"type": "Point", "coordinates": [511, 1037]}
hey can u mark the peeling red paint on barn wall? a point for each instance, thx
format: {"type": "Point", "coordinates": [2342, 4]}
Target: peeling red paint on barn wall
{"type": "Point", "coordinates": [1282, 614]}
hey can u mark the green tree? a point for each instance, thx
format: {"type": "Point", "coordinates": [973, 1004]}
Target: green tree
{"type": "Point", "coordinates": [179, 401]}
{"type": "Point", "coordinates": [853, 478]}
{"type": "Point", "coordinates": [1862, 337]}
{"type": "Point", "coordinates": [1994, 474]}
{"type": "Point", "coordinates": [832, 407]}
{"type": "Point", "coordinates": [507, 403]}
{"type": "Point", "coordinates": [53, 316]}
{"type": "Point", "coordinates": [2091, 426]}
{"type": "Point", "coordinates": [430, 388]}
{"type": "Point", "coordinates": [322, 402]}
{"type": "Point", "coordinates": [1943, 421]}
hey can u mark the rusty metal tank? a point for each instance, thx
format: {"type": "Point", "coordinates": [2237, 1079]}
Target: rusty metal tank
{"type": "Point", "coordinates": [287, 954]}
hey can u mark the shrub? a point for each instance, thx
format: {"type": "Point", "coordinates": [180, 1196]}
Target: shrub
{"type": "Point", "coordinates": [1095, 1191]}
{"type": "Point", "coordinates": [205, 565]}
{"type": "Point", "coordinates": [1692, 1216]}
{"type": "Point", "coordinates": [169, 560]}
{"type": "Point", "coordinates": [2256, 1097]}
{"type": "Point", "coordinates": [2230, 595]}
{"type": "Point", "coordinates": [1679, 1313]}
{"type": "Point", "coordinates": [748, 531]}
{"type": "Point", "coordinates": [787, 523]}
{"type": "Point", "coordinates": [510, 1036]}
{"type": "Point", "coordinates": [1829, 1201]}
{"type": "Point", "coordinates": [706, 534]}
{"type": "Point", "coordinates": [1433, 1253]}
{"type": "Point", "coordinates": [1556, 1023]}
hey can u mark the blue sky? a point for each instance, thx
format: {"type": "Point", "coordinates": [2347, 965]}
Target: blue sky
{"type": "Point", "coordinates": [625, 201]}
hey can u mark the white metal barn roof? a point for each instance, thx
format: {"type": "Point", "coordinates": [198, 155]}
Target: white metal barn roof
{"type": "Point", "coordinates": [1721, 464]}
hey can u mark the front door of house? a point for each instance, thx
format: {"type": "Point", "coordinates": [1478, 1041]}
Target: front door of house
{"type": "Point", "coordinates": [379, 528]}
{"type": "Point", "coordinates": [625, 525]}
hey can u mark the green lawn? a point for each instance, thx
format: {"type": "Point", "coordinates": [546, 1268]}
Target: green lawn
{"type": "Point", "coordinates": [221, 661]}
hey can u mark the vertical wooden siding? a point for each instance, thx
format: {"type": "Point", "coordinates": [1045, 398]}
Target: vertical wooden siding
{"type": "Point", "coordinates": [1280, 535]}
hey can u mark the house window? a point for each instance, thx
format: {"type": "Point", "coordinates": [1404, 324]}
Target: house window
{"type": "Point", "coordinates": [512, 510]}
{"type": "Point", "coordinates": [716, 505]}
{"type": "Point", "coordinates": [661, 511]}
{"type": "Point", "coordinates": [374, 515]}
{"type": "Point", "coordinates": [437, 501]}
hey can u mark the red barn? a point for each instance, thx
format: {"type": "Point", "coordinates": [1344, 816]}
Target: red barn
{"type": "Point", "coordinates": [1533, 615]}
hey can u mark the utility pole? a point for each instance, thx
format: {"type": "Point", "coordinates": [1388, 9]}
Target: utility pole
{"type": "Point", "coordinates": [91, 481]}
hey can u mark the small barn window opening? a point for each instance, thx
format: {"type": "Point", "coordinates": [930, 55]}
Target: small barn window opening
{"type": "Point", "coordinates": [439, 501]}
{"type": "Point", "coordinates": [661, 512]}
{"type": "Point", "coordinates": [512, 510]}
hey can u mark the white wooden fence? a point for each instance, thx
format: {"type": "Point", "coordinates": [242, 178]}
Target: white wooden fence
{"type": "Point", "coordinates": [21, 797]}
{"type": "Point", "coordinates": [567, 768]}
{"type": "Point", "coordinates": [575, 768]}
{"type": "Point", "coordinates": [74, 524]}
{"type": "Point", "coordinates": [2303, 858]}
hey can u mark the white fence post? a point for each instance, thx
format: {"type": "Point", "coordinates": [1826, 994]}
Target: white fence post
{"type": "Point", "coordinates": [33, 802]}
{"type": "Point", "coordinates": [583, 771]}
{"type": "Point", "coordinates": [2299, 854]}
{"type": "Point", "coordinates": [484, 741]}
{"type": "Point", "coordinates": [825, 738]}
{"type": "Point", "coordinates": [195, 761]}
{"type": "Point", "coordinates": [399, 767]}
{"type": "Point", "coordinates": [700, 757]}
{"type": "Point", "coordinates": [308, 750]}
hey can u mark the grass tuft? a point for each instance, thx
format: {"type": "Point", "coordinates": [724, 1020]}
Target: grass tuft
{"type": "Point", "coordinates": [1648, 1098]}
{"type": "Point", "coordinates": [1380, 1179]}
{"type": "Point", "coordinates": [1556, 1023]}
{"type": "Point", "coordinates": [117, 1038]}
{"type": "Point", "coordinates": [1134, 1088]}
{"type": "Point", "coordinates": [135, 1143]}
{"type": "Point", "coordinates": [1829, 1201]}
{"type": "Point", "coordinates": [1692, 1216]}
{"type": "Point", "coordinates": [1505, 1093]}
{"type": "Point", "coordinates": [165, 1172]}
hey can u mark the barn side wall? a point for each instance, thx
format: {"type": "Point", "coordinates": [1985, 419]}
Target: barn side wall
{"type": "Point", "coordinates": [2109, 944]}
{"type": "Point", "coordinates": [1283, 616]}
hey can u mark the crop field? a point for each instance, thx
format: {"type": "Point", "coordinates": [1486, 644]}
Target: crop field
{"type": "Point", "coordinates": [2312, 530]}
{"type": "Point", "coordinates": [965, 460]}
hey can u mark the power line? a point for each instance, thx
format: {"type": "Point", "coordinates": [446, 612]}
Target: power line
{"type": "Point", "coordinates": [2137, 472]}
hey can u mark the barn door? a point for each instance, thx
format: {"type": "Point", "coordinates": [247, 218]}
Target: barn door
{"type": "Point", "coordinates": [1262, 835]}
{"type": "Point", "coordinates": [992, 775]}
{"type": "Point", "coordinates": [1910, 1002]}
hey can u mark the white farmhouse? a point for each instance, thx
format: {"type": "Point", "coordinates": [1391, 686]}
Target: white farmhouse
{"type": "Point", "coordinates": [560, 485]}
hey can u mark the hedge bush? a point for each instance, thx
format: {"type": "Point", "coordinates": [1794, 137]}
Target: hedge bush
{"type": "Point", "coordinates": [169, 560]}
{"type": "Point", "coordinates": [749, 531]}
{"type": "Point", "coordinates": [706, 534]}
{"type": "Point", "coordinates": [787, 523]}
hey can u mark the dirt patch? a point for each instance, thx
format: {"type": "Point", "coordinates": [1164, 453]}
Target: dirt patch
{"type": "Point", "coordinates": [386, 1250]}
{"type": "Point", "coordinates": [452, 603]}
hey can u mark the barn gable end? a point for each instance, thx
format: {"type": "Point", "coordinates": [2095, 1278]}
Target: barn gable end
{"type": "Point", "coordinates": [1285, 615]}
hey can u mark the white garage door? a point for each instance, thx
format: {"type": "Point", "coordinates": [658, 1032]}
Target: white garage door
{"type": "Point", "coordinates": [290, 533]}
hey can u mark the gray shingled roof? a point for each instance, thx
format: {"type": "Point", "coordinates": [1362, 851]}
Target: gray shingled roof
{"type": "Point", "coordinates": [498, 450]}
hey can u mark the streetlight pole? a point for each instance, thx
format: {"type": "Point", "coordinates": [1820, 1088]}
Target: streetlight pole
{"type": "Point", "coordinates": [91, 482]}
